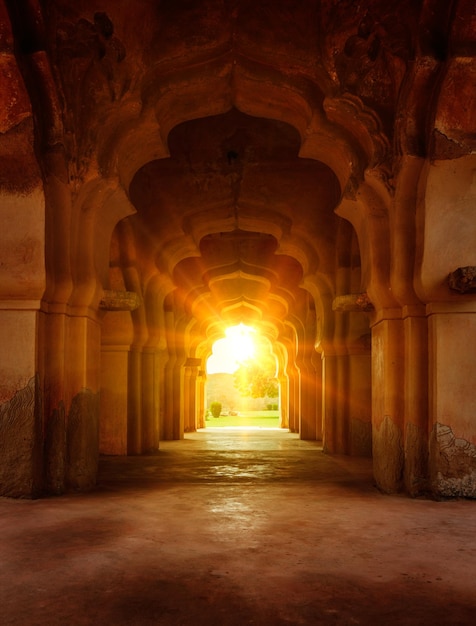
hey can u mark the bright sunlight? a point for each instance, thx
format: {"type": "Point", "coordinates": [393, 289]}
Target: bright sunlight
{"type": "Point", "coordinates": [228, 353]}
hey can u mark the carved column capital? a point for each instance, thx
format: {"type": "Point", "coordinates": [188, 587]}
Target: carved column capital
{"type": "Point", "coordinates": [113, 300]}
{"type": "Point", "coordinates": [354, 302]}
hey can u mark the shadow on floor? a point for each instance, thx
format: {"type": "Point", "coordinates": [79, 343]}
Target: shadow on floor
{"type": "Point", "coordinates": [233, 529]}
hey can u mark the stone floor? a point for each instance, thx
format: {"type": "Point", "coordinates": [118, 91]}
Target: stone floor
{"type": "Point", "coordinates": [234, 528]}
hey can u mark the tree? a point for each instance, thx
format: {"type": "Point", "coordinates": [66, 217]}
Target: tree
{"type": "Point", "coordinates": [215, 408]}
{"type": "Point", "coordinates": [256, 379]}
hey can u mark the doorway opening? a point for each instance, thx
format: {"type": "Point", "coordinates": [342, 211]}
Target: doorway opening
{"type": "Point", "coordinates": [242, 389]}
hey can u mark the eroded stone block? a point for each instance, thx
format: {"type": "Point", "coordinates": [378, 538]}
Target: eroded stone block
{"type": "Point", "coordinates": [463, 279]}
{"type": "Point", "coordinates": [452, 464]}
{"type": "Point", "coordinates": [20, 445]}
{"type": "Point", "coordinates": [113, 300]}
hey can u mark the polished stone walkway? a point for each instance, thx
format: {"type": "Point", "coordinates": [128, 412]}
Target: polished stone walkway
{"type": "Point", "coordinates": [232, 528]}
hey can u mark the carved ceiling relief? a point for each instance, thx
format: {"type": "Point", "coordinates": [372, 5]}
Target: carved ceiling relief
{"type": "Point", "coordinates": [366, 49]}
{"type": "Point", "coordinates": [18, 168]}
{"type": "Point", "coordinates": [91, 63]}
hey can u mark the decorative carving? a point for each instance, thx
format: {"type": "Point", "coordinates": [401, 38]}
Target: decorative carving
{"type": "Point", "coordinates": [14, 104]}
{"type": "Point", "coordinates": [91, 53]}
{"type": "Point", "coordinates": [453, 463]}
{"type": "Point", "coordinates": [119, 301]}
{"type": "Point", "coordinates": [463, 279]}
{"type": "Point", "coordinates": [366, 48]}
{"type": "Point", "coordinates": [365, 125]}
{"type": "Point", "coordinates": [368, 66]}
{"type": "Point", "coordinates": [90, 57]}
{"type": "Point", "coordinates": [355, 302]}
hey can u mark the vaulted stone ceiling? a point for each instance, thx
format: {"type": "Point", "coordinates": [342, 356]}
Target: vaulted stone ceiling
{"type": "Point", "coordinates": [236, 215]}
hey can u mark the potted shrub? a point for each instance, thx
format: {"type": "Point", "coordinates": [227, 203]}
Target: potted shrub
{"type": "Point", "coordinates": [215, 409]}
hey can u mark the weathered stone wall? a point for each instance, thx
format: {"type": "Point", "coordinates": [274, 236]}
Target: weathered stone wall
{"type": "Point", "coordinates": [70, 347]}
{"type": "Point", "coordinates": [452, 464]}
{"type": "Point", "coordinates": [21, 443]}
{"type": "Point", "coordinates": [453, 404]}
{"type": "Point", "coordinates": [82, 441]}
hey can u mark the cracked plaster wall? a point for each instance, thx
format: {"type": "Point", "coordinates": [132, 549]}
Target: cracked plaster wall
{"type": "Point", "coordinates": [452, 464]}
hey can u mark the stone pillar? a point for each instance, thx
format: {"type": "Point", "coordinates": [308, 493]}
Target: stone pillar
{"type": "Point", "coordinates": [445, 277]}
{"type": "Point", "coordinates": [191, 403]}
{"type": "Point", "coordinates": [317, 365]}
{"type": "Point", "coordinates": [174, 414]}
{"type": "Point", "coordinates": [284, 399]}
{"type": "Point", "coordinates": [150, 407]}
{"type": "Point", "coordinates": [178, 401]}
{"type": "Point", "coordinates": [53, 341]}
{"type": "Point", "coordinates": [188, 399]}
{"type": "Point", "coordinates": [117, 335]}
{"type": "Point", "coordinates": [169, 379]}
{"type": "Point", "coordinates": [160, 383]}
{"type": "Point", "coordinates": [200, 403]}
{"type": "Point", "coordinates": [416, 405]}
{"type": "Point", "coordinates": [331, 409]}
{"type": "Point", "coordinates": [359, 393]}
{"type": "Point", "coordinates": [308, 414]}
{"type": "Point", "coordinates": [82, 386]}
{"type": "Point", "coordinates": [388, 404]}
{"type": "Point", "coordinates": [352, 431]}
{"type": "Point", "coordinates": [346, 401]}
{"type": "Point", "coordinates": [21, 444]}
{"type": "Point", "coordinates": [327, 416]}
{"type": "Point", "coordinates": [114, 400]}
{"type": "Point", "coordinates": [342, 401]}
{"type": "Point", "coordinates": [452, 338]}
{"type": "Point", "coordinates": [294, 403]}
{"type": "Point", "coordinates": [70, 347]}
{"type": "Point", "coordinates": [134, 404]}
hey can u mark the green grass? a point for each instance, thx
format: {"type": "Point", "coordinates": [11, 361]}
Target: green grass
{"type": "Point", "coordinates": [256, 419]}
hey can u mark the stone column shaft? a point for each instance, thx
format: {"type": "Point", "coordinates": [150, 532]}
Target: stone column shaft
{"type": "Point", "coordinates": [114, 400]}
{"type": "Point", "coordinates": [387, 403]}
{"type": "Point", "coordinates": [150, 409]}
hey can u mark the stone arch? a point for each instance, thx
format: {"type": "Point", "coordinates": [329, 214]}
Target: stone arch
{"type": "Point", "coordinates": [340, 132]}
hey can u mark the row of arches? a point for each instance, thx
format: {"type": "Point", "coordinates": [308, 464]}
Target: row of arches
{"type": "Point", "coordinates": [196, 185]}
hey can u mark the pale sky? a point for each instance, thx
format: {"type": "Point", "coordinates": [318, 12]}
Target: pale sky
{"type": "Point", "coordinates": [228, 352]}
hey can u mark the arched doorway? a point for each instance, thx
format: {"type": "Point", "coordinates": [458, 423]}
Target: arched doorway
{"type": "Point", "coordinates": [242, 388]}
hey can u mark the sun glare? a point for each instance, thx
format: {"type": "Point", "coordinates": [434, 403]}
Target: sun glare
{"type": "Point", "coordinates": [228, 353]}
{"type": "Point", "coordinates": [241, 342]}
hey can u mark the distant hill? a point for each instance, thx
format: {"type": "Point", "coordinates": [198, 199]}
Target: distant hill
{"type": "Point", "coordinates": [220, 388]}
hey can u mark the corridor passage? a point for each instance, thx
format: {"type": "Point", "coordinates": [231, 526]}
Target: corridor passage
{"type": "Point", "coordinates": [235, 527]}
